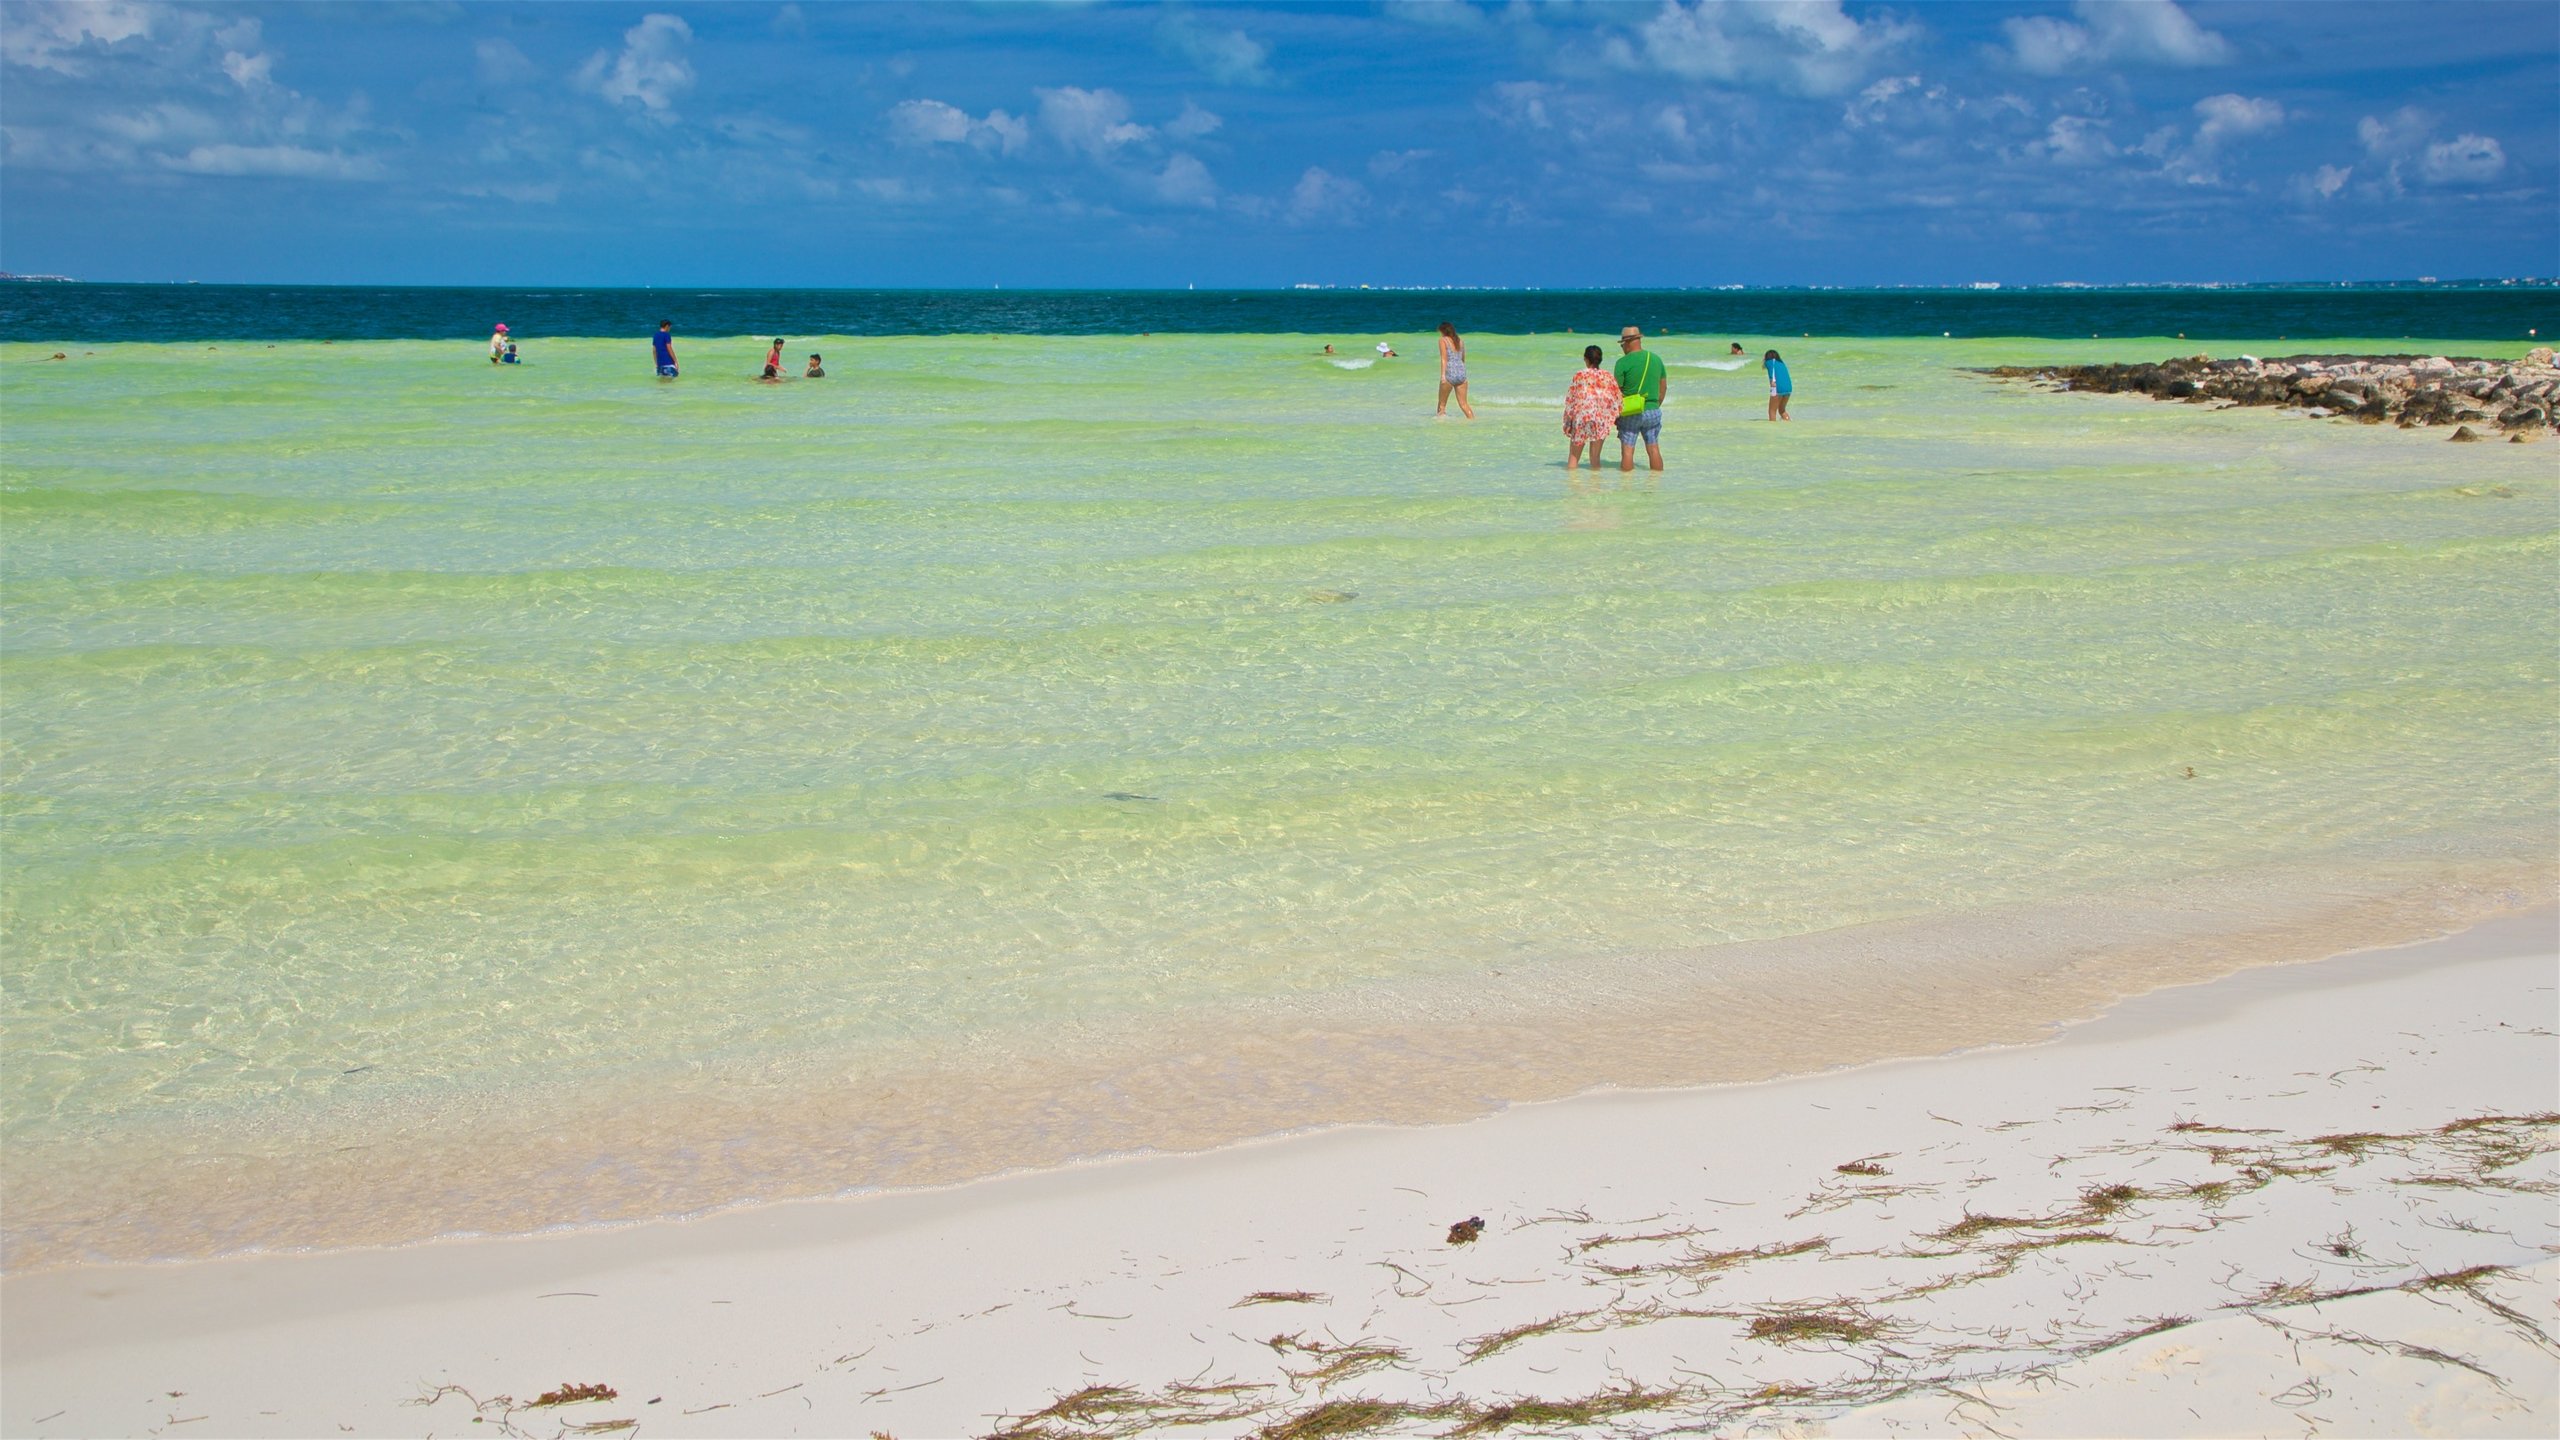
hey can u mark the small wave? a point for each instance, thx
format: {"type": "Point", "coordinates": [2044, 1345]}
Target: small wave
{"type": "Point", "coordinates": [1350, 364]}
{"type": "Point", "coordinates": [1712, 364]}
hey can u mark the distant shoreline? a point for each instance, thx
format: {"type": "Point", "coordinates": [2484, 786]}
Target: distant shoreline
{"type": "Point", "coordinates": [99, 313]}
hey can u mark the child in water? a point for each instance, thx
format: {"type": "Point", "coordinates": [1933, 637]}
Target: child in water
{"type": "Point", "coordinates": [510, 357]}
{"type": "Point", "coordinates": [1781, 386]}
{"type": "Point", "coordinates": [773, 361]}
{"type": "Point", "coordinates": [816, 371]}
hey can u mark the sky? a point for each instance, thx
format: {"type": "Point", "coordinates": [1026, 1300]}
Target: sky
{"type": "Point", "coordinates": [1410, 142]}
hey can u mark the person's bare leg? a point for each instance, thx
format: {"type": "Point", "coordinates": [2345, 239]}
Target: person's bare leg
{"type": "Point", "coordinates": [1463, 407]}
{"type": "Point", "coordinates": [1653, 454]}
{"type": "Point", "coordinates": [1573, 458]}
{"type": "Point", "coordinates": [1626, 453]}
{"type": "Point", "coordinates": [1443, 411]}
{"type": "Point", "coordinates": [1782, 407]}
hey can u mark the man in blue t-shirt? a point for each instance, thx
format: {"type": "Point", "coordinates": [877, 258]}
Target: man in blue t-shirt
{"type": "Point", "coordinates": [665, 343]}
{"type": "Point", "coordinates": [1640, 377]}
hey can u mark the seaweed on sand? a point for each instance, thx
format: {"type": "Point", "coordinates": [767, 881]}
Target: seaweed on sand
{"type": "Point", "coordinates": [1116, 1412]}
{"type": "Point", "coordinates": [1835, 1323]}
{"type": "Point", "coordinates": [1336, 1418]}
{"type": "Point", "coordinates": [1336, 1361]}
{"type": "Point", "coordinates": [1495, 1342]}
{"type": "Point", "coordinates": [1631, 1399]}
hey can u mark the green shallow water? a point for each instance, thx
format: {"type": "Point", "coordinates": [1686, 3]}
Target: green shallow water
{"type": "Point", "coordinates": [480, 732]}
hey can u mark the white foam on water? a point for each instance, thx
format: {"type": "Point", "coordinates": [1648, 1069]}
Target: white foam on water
{"type": "Point", "coordinates": [1711, 364]}
{"type": "Point", "coordinates": [1341, 364]}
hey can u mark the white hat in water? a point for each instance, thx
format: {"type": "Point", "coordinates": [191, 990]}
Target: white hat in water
{"type": "Point", "coordinates": [1383, 348]}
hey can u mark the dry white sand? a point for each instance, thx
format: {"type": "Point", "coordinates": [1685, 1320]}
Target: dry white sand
{"type": "Point", "coordinates": [2316, 1199]}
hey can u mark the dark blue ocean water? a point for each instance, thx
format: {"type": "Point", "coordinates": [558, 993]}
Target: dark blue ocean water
{"type": "Point", "coordinates": [87, 313]}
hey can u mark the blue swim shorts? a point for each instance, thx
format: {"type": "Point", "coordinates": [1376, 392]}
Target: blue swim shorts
{"type": "Point", "coordinates": [1643, 429]}
{"type": "Point", "coordinates": [669, 371]}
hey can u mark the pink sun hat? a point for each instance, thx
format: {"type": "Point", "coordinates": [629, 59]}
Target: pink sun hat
{"type": "Point", "coordinates": [502, 325]}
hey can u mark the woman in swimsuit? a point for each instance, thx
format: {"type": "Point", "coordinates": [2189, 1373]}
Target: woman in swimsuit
{"type": "Point", "coordinates": [1453, 371]}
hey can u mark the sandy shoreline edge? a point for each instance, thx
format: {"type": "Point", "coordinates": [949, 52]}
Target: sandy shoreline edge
{"type": "Point", "coordinates": [357, 1171]}
{"type": "Point", "coordinates": [2246, 1128]}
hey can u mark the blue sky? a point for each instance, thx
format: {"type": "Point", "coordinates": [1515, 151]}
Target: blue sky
{"type": "Point", "coordinates": [1503, 142]}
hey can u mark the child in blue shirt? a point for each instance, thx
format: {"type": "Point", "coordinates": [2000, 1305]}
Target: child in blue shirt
{"type": "Point", "coordinates": [1780, 385]}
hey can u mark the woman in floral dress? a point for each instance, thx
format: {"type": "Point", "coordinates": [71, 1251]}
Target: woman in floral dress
{"type": "Point", "coordinates": [1590, 408]}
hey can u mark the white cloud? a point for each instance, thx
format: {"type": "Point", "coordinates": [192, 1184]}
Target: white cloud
{"type": "Point", "coordinates": [1451, 14]}
{"type": "Point", "coordinates": [249, 72]}
{"type": "Point", "coordinates": [650, 72]}
{"type": "Point", "coordinates": [2076, 140]}
{"type": "Point", "coordinates": [59, 35]}
{"type": "Point", "coordinates": [2466, 159]}
{"type": "Point", "coordinates": [1522, 102]}
{"type": "Point", "coordinates": [2328, 180]}
{"type": "Point", "coordinates": [1185, 181]}
{"type": "Point", "coordinates": [2399, 133]}
{"type": "Point", "coordinates": [2113, 32]}
{"type": "Point", "coordinates": [1324, 198]}
{"type": "Point", "coordinates": [292, 162]}
{"type": "Point", "coordinates": [1394, 162]}
{"type": "Point", "coordinates": [1230, 57]}
{"type": "Point", "coordinates": [1094, 122]}
{"type": "Point", "coordinates": [1811, 46]}
{"type": "Point", "coordinates": [2407, 136]}
{"type": "Point", "coordinates": [1192, 123]}
{"type": "Point", "coordinates": [499, 62]}
{"type": "Point", "coordinates": [1896, 98]}
{"type": "Point", "coordinates": [931, 122]}
{"type": "Point", "coordinates": [164, 124]}
{"type": "Point", "coordinates": [2227, 116]}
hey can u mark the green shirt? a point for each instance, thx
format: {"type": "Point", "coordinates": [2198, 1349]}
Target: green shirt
{"type": "Point", "coordinates": [1640, 373]}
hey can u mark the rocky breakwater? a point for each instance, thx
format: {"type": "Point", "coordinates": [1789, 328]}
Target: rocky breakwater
{"type": "Point", "coordinates": [2519, 397]}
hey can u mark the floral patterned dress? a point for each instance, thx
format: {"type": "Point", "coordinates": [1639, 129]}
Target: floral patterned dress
{"type": "Point", "coordinates": [1591, 406]}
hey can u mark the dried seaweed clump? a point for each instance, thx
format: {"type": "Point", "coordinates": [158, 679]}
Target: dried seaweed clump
{"type": "Point", "coordinates": [1466, 1231]}
{"type": "Point", "coordinates": [1347, 1417]}
{"type": "Point", "coordinates": [1336, 1361]}
{"type": "Point", "coordinates": [1630, 1400]}
{"type": "Point", "coordinates": [573, 1394]}
{"type": "Point", "coordinates": [1799, 1327]}
{"type": "Point", "coordinates": [1116, 1412]}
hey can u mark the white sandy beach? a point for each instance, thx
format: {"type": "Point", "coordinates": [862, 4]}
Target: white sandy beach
{"type": "Point", "coordinates": [2315, 1199]}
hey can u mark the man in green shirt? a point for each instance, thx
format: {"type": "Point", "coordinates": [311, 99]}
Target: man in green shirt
{"type": "Point", "coordinates": [1640, 372]}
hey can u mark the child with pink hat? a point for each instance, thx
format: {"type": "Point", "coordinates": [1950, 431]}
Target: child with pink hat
{"type": "Point", "coordinates": [498, 344]}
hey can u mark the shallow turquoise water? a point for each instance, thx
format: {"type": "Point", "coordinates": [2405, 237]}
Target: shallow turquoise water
{"type": "Point", "coordinates": [369, 710]}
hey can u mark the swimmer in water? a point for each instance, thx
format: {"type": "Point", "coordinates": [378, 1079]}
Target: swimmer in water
{"type": "Point", "coordinates": [1386, 349]}
{"type": "Point", "coordinates": [510, 357]}
{"type": "Point", "coordinates": [1737, 348]}
{"type": "Point", "coordinates": [816, 371]}
{"type": "Point", "coordinates": [773, 361]}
